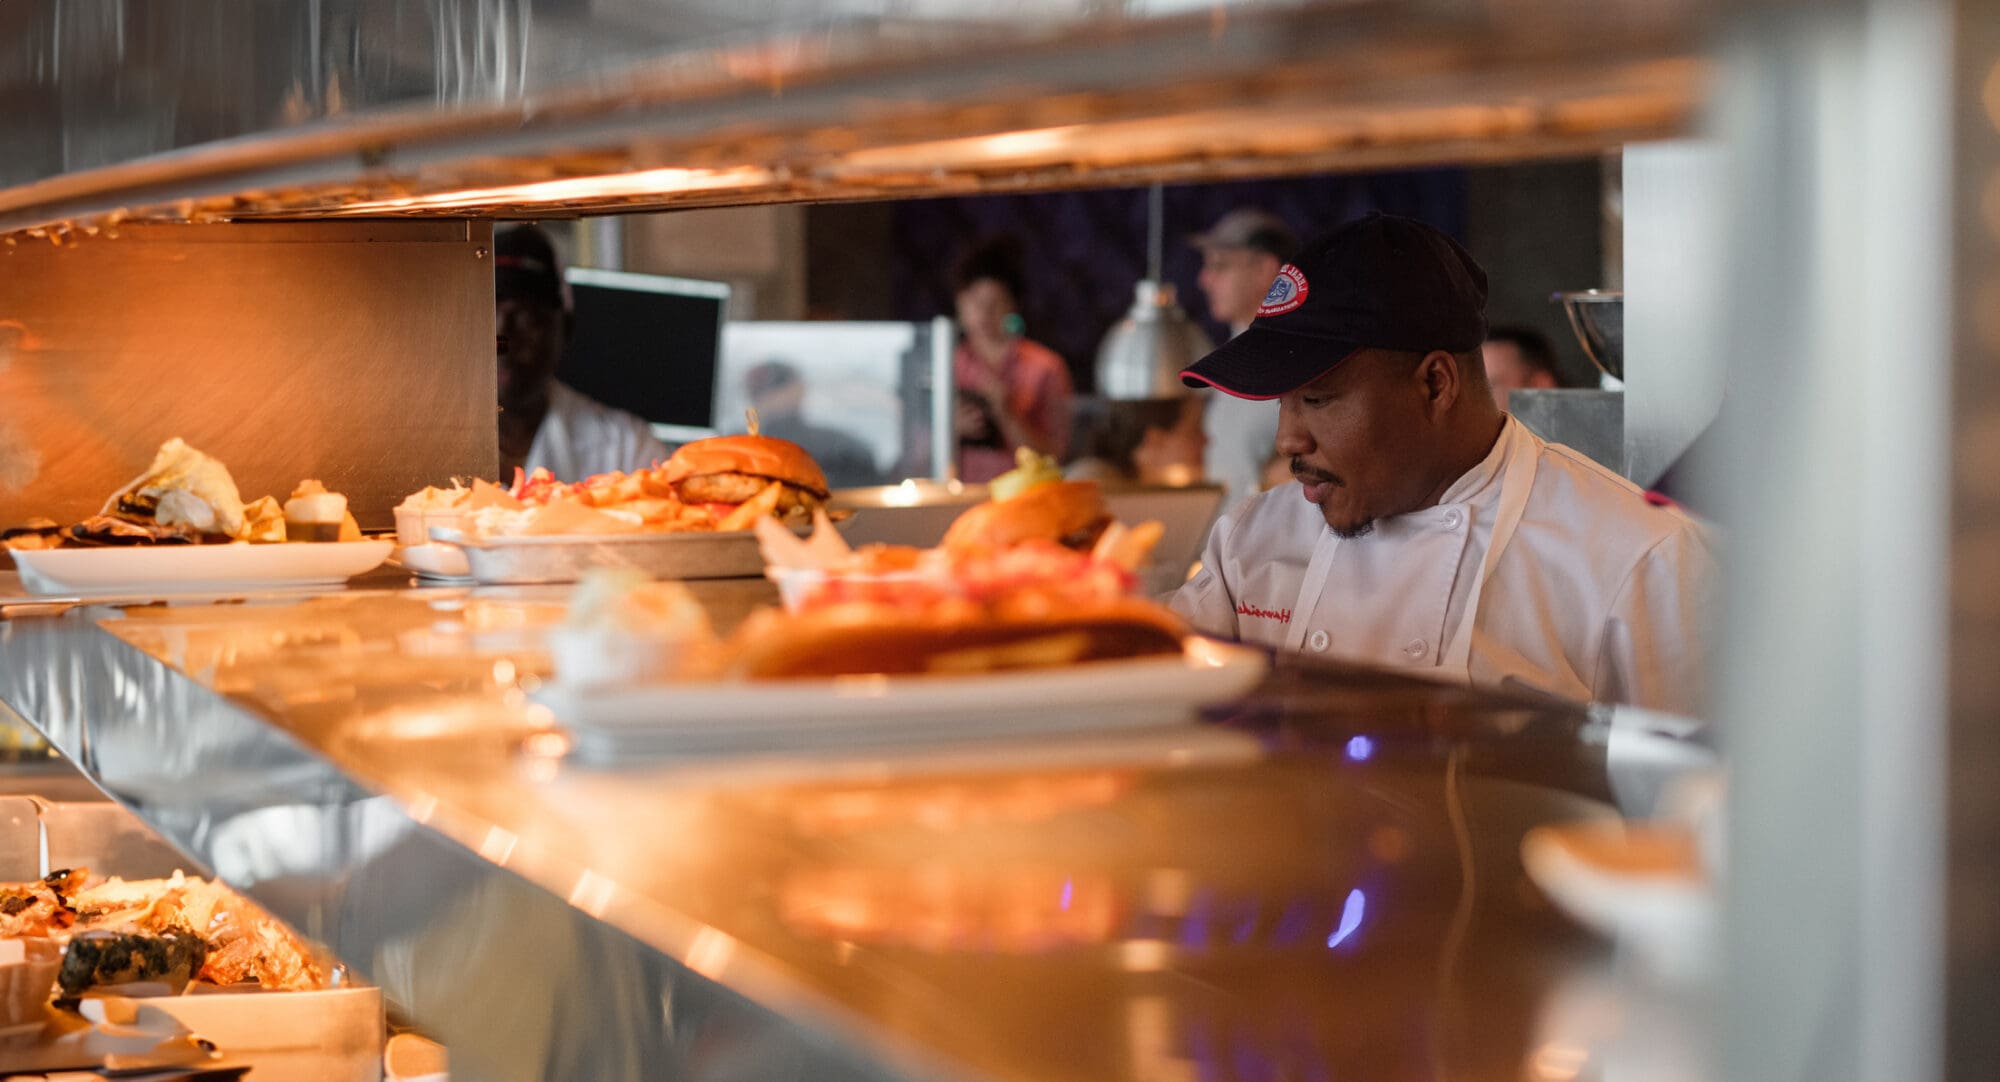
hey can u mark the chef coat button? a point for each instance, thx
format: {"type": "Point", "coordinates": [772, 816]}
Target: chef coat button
{"type": "Point", "coordinates": [1416, 648]}
{"type": "Point", "coordinates": [1453, 519]}
{"type": "Point", "coordinates": [1319, 641]}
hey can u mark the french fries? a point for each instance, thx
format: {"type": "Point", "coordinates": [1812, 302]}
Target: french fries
{"type": "Point", "coordinates": [749, 511]}
{"type": "Point", "coordinates": [1128, 546]}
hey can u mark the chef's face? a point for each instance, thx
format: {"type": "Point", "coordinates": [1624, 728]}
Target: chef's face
{"type": "Point", "coordinates": [1362, 437]}
{"type": "Point", "coordinates": [1235, 280]}
{"type": "Point", "coordinates": [529, 342]}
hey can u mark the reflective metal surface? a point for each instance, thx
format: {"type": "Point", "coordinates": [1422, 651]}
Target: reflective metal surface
{"type": "Point", "coordinates": [1676, 196]}
{"type": "Point", "coordinates": [1142, 356]}
{"type": "Point", "coordinates": [1590, 421]}
{"type": "Point", "coordinates": [1598, 319]}
{"type": "Point", "coordinates": [1858, 188]}
{"type": "Point", "coordinates": [1324, 885]}
{"type": "Point", "coordinates": [501, 106]}
{"type": "Point", "coordinates": [358, 353]}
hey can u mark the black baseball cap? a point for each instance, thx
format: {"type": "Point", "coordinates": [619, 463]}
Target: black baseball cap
{"type": "Point", "coordinates": [1381, 282]}
{"type": "Point", "coordinates": [525, 266]}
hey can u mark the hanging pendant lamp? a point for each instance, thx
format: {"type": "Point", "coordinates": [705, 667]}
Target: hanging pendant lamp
{"type": "Point", "coordinates": [1142, 357]}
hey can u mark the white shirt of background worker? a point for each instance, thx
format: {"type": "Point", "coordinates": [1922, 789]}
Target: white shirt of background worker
{"type": "Point", "coordinates": [1240, 255]}
{"type": "Point", "coordinates": [1427, 529]}
{"type": "Point", "coordinates": [542, 422]}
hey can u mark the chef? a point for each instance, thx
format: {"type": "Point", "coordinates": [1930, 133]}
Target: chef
{"type": "Point", "coordinates": [1426, 528]}
{"type": "Point", "coordinates": [545, 423]}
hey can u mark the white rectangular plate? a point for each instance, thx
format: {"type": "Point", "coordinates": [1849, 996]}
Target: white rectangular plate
{"type": "Point", "coordinates": [190, 569]}
{"type": "Point", "coordinates": [848, 711]}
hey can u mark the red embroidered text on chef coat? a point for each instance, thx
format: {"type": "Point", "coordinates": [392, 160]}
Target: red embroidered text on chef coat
{"type": "Point", "coordinates": [1283, 616]}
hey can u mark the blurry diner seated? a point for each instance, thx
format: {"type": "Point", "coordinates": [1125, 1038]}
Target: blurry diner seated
{"type": "Point", "coordinates": [1156, 441]}
{"type": "Point", "coordinates": [1012, 392]}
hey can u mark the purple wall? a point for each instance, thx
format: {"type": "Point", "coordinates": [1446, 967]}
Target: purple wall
{"type": "Point", "coordinates": [1085, 250]}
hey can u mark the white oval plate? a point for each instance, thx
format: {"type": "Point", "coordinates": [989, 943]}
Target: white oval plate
{"type": "Point", "coordinates": [188, 569]}
{"type": "Point", "coordinates": [1665, 912]}
{"type": "Point", "coordinates": [848, 711]}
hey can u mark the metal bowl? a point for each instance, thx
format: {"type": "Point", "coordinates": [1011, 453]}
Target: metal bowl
{"type": "Point", "coordinates": [1598, 318]}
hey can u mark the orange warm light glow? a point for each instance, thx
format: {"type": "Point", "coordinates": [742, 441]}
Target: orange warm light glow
{"type": "Point", "coordinates": [647, 182]}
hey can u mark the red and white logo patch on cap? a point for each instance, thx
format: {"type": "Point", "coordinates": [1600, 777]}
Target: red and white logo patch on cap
{"type": "Point", "coordinates": [1287, 292]}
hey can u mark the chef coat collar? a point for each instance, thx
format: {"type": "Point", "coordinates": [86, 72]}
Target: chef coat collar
{"type": "Point", "coordinates": [1474, 481]}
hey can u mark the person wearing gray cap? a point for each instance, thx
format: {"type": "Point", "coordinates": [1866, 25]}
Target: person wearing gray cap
{"type": "Point", "coordinates": [1240, 255]}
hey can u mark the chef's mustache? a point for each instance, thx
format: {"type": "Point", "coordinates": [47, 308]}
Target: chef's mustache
{"type": "Point", "coordinates": [1304, 472]}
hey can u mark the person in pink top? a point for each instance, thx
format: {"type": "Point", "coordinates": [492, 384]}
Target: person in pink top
{"type": "Point", "coordinates": [1012, 392]}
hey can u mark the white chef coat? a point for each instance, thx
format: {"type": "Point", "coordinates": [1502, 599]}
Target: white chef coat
{"type": "Point", "coordinates": [582, 436]}
{"type": "Point", "coordinates": [1242, 435]}
{"type": "Point", "coordinates": [1596, 595]}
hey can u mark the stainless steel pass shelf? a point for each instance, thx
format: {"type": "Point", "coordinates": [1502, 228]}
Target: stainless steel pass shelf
{"type": "Point", "coordinates": [1324, 884]}
{"type": "Point", "coordinates": [529, 108]}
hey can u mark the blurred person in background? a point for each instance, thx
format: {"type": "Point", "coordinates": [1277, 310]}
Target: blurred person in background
{"type": "Point", "coordinates": [1012, 392]}
{"type": "Point", "coordinates": [1518, 358]}
{"type": "Point", "coordinates": [1157, 441]}
{"type": "Point", "coordinates": [543, 423]}
{"type": "Point", "coordinates": [778, 394]}
{"type": "Point", "coordinates": [1240, 257]}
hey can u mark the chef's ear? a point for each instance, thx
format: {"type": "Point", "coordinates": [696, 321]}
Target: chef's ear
{"type": "Point", "coordinates": [1443, 379]}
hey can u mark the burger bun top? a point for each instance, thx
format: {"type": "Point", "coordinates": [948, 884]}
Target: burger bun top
{"type": "Point", "coordinates": [1045, 512]}
{"type": "Point", "coordinates": [760, 456]}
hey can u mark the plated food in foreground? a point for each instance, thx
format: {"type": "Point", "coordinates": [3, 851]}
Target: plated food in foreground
{"type": "Point", "coordinates": [879, 637]}
{"type": "Point", "coordinates": [873, 688]}
{"type": "Point", "coordinates": [735, 470]}
{"type": "Point", "coordinates": [886, 646]}
{"type": "Point", "coordinates": [717, 485]}
{"type": "Point", "coordinates": [75, 935]}
{"type": "Point", "coordinates": [1039, 533]}
{"type": "Point", "coordinates": [189, 498]}
{"type": "Point", "coordinates": [1036, 604]}
{"type": "Point", "coordinates": [624, 628]}
{"type": "Point", "coordinates": [1031, 502]}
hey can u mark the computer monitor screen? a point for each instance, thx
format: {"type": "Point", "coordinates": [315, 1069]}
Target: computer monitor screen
{"type": "Point", "coordinates": [648, 344]}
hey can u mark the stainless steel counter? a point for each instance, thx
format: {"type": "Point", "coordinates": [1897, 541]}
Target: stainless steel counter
{"type": "Point", "coordinates": [1320, 883]}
